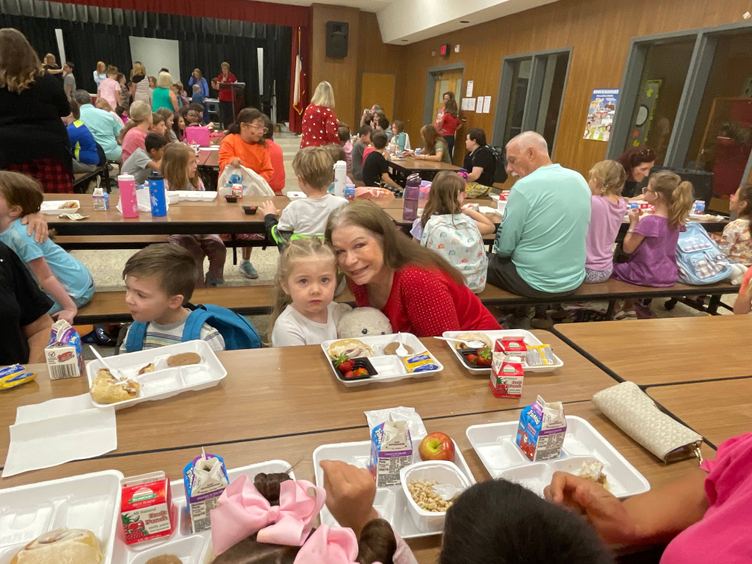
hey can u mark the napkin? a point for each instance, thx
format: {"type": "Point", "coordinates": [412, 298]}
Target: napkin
{"type": "Point", "coordinates": [58, 431]}
{"type": "Point", "coordinates": [143, 200]}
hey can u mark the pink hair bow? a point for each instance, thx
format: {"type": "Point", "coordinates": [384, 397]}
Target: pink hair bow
{"type": "Point", "coordinates": [242, 511]}
{"type": "Point", "coordinates": [335, 545]}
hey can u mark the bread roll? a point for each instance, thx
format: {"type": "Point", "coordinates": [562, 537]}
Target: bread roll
{"type": "Point", "coordinates": [184, 359]}
{"type": "Point", "coordinates": [351, 348]}
{"type": "Point", "coordinates": [61, 546]}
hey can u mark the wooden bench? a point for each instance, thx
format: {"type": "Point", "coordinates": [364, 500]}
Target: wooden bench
{"type": "Point", "coordinates": [81, 179]}
{"type": "Point", "coordinates": [258, 300]}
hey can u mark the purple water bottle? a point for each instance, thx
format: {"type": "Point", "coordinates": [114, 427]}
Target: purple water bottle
{"type": "Point", "coordinates": [157, 194]}
{"type": "Point", "coordinates": [410, 198]}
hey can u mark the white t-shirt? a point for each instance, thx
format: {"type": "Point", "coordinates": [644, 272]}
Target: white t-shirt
{"type": "Point", "coordinates": [308, 216]}
{"type": "Point", "coordinates": [292, 328]}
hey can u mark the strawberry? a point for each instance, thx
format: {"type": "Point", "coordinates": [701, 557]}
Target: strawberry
{"type": "Point", "coordinates": [348, 375]}
{"type": "Point", "coordinates": [358, 372]}
{"type": "Point", "coordinates": [343, 363]}
{"type": "Point", "coordinates": [472, 359]}
{"type": "Point", "coordinates": [484, 357]}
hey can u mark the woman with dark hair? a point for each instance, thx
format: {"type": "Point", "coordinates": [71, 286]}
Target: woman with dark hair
{"type": "Point", "coordinates": [419, 291]}
{"type": "Point", "coordinates": [480, 164]}
{"type": "Point", "coordinates": [450, 122]}
{"type": "Point", "coordinates": [33, 138]}
{"type": "Point", "coordinates": [244, 145]}
{"type": "Point", "coordinates": [637, 163]}
{"type": "Point", "coordinates": [434, 146]}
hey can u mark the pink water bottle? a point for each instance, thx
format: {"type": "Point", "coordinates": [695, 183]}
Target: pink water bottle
{"type": "Point", "coordinates": [128, 201]}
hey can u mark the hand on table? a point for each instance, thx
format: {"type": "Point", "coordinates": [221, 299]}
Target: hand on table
{"type": "Point", "coordinates": [605, 512]}
{"type": "Point", "coordinates": [36, 225]}
{"type": "Point", "coordinates": [267, 207]}
{"type": "Point", "coordinates": [350, 492]}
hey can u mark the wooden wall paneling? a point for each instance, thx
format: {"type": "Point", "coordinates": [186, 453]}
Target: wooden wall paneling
{"type": "Point", "coordinates": [378, 88]}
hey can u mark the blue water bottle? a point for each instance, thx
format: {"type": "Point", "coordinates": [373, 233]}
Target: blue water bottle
{"type": "Point", "coordinates": [157, 194]}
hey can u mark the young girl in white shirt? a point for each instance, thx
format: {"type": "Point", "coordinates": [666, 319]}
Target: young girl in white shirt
{"type": "Point", "coordinates": [304, 312]}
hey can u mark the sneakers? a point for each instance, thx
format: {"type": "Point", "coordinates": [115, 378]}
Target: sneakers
{"type": "Point", "coordinates": [214, 282]}
{"type": "Point", "coordinates": [247, 270]}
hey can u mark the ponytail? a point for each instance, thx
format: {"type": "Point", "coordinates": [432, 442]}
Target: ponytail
{"type": "Point", "coordinates": [377, 543]}
{"type": "Point", "coordinates": [677, 194]}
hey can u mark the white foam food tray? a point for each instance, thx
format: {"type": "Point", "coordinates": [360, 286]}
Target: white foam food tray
{"type": "Point", "coordinates": [195, 195]}
{"type": "Point", "coordinates": [495, 445]}
{"type": "Point", "coordinates": [88, 501]}
{"type": "Point", "coordinates": [164, 382]}
{"type": "Point", "coordinates": [191, 548]}
{"type": "Point", "coordinates": [60, 206]}
{"type": "Point", "coordinates": [389, 368]}
{"type": "Point", "coordinates": [390, 502]}
{"type": "Point", "coordinates": [530, 339]}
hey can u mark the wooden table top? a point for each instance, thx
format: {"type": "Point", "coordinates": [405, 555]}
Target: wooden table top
{"type": "Point", "coordinates": [718, 410]}
{"type": "Point", "coordinates": [297, 450]}
{"type": "Point", "coordinates": [281, 391]}
{"type": "Point", "coordinates": [669, 350]}
{"type": "Point", "coordinates": [413, 164]}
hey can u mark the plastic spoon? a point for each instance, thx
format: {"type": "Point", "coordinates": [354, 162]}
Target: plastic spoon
{"type": "Point", "coordinates": [401, 350]}
{"type": "Point", "coordinates": [470, 344]}
{"type": "Point", "coordinates": [100, 358]}
{"type": "Point", "coordinates": [447, 491]}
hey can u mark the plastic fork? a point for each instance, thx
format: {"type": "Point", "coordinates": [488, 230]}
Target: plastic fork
{"type": "Point", "coordinates": [469, 344]}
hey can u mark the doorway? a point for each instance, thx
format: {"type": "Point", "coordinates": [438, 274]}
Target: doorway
{"type": "Point", "coordinates": [441, 80]}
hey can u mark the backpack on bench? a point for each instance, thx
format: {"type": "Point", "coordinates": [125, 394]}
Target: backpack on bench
{"type": "Point", "coordinates": [699, 258]}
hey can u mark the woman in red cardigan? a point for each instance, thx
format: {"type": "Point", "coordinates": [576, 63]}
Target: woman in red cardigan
{"type": "Point", "coordinates": [414, 287]}
{"type": "Point", "coordinates": [319, 120]}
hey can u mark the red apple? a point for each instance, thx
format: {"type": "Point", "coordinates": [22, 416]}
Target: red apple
{"type": "Point", "coordinates": [436, 446]}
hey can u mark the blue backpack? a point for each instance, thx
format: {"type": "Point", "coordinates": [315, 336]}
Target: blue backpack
{"type": "Point", "coordinates": [699, 259]}
{"type": "Point", "coordinates": [235, 329]}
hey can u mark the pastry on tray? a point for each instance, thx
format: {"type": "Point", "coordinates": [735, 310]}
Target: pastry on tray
{"type": "Point", "coordinates": [183, 359]}
{"type": "Point", "coordinates": [471, 337]}
{"type": "Point", "coordinates": [61, 545]}
{"type": "Point", "coordinates": [108, 389]}
{"type": "Point", "coordinates": [351, 348]}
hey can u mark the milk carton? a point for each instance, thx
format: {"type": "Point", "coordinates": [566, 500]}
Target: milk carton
{"type": "Point", "coordinates": [205, 478]}
{"type": "Point", "coordinates": [541, 430]}
{"type": "Point", "coordinates": [507, 371]}
{"type": "Point", "coordinates": [63, 352]}
{"type": "Point", "coordinates": [146, 508]}
{"type": "Point", "coordinates": [391, 449]}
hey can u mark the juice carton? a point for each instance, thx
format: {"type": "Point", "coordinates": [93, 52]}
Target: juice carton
{"type": "Point", "coordinates": [205, 478]}
{"type": "Point", "coordinates": [146, 507]}
{"type": "Point", "coordinates": [511, 345]}
{"type": "Point", "coordinates": [541, 431]}
{"type": "Point", "coordinates": [391, 449]}
{"type": "Point", "coordinates": [63, 352]}
{"type": "Point", "coordinates": [507, 372]}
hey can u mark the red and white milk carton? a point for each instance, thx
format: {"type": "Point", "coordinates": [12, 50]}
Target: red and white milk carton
{"type": "Point", "coordinates": [512, 346]}
{"type": "Point", "coordinates": [507, 372]}
{"type": "Point", "coordinates": [146, 508]}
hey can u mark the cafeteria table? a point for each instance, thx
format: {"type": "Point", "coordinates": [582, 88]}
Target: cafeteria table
{"type": "Point", "coordinates": [402, 167]}
{"type": "Point", "coordinates": [665, 351]}
{"type": "Point", "coordinates": [273, 392]}
{"type": "Point", "coordinates": [298, 449]}
{"type": "Point", "coordinates": [718, 410]}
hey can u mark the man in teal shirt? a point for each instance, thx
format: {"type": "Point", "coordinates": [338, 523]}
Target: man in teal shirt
{"type": "Point", "coordinates": [540, 245]}
{"type": "Point", "coordinates": [104, 126]}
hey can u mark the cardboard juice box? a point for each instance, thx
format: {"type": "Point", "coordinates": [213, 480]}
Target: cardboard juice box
{"type": "Point", "coordinates": [541, 430]}
{"type": "Point", "coordinates": [205, 478]}
{"type": "Point", "coordinates": [391, 450]}
{"type": "Point", "coordinates": [146, 507]}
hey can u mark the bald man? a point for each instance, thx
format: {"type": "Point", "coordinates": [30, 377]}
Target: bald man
{"type": "Point", "coordinates": [540, 246]}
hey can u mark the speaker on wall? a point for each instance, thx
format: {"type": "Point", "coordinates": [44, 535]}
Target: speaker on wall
{"type": "Point", "coordinates": [336, 39]}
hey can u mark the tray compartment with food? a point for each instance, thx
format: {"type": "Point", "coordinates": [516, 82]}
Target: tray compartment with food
{"type": "Point", "coordinates": [373, 359]}
{"type": "Point", "coordinates": [584, 448]}
{"type": "Point", "coordinates": [391, 502]}
{"type": "Point", "coordinates": [187, 547]}
{"type": "Point", "coordinates": [478, 361]}
{"type": "Point", "coordinates": [154, 374]}
{"type": "Point", "coordinates": [77, 515]}
{"type": "Point", "coordinates": [60, 206]}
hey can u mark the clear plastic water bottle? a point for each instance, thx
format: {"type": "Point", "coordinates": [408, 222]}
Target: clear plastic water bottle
{"type": "Point", "coordinates": [100, 199]}
{"type": "Point", "coordinates": [340, 178]}
{"type": "Point", "coordinates": [410, 198]}
{"type": "Point", "coordinates": [157, 194]}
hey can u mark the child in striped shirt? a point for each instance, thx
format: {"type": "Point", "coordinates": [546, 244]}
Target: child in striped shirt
{"type": "Point", "coordinates": [159, 281]}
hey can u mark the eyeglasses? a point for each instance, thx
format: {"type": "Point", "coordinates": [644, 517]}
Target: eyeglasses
{"type": "Point", "coordinates": [256, 126]}
{"type": "Point", "coordinates": [646, 189]}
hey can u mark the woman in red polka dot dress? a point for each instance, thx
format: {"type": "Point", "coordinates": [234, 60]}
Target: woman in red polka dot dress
{"type": "Point", "coordinates": [319, 120]}
{"type": "Point", "coordinates": [419, 291]}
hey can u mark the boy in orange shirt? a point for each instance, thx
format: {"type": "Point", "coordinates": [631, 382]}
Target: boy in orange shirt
{"type": "Point", "coordinates": [277, 181]}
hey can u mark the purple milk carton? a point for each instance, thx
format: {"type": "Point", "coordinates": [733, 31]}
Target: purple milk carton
{"type": "Point", "coordinates": [391, 450]}
{"type": "Point", "coordinates": [541, 431]}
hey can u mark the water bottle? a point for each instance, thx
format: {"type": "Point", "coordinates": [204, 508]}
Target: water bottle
{"type": "Point", "coordinates": [128, 199]}
{"type": "Point", "coordinates": [410, 198]}
{"type": "Point", "coordinates": [340, 178]}
{"type": "Point", "coordinates": [350, 192]}
{"type": "Point", "coordinates": [425, 190]}
{"type": "Point", "coordinates": [157, 194]}
{"type": "Point", "coordinates": [100, 199]}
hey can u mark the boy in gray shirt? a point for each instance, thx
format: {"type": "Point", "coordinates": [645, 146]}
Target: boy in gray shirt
{"type": "Point", "coordinates": [141, 162]}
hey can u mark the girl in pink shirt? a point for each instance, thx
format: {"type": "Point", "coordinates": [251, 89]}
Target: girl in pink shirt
{"type": "Point", "coordinates": [133, 135]}
{"type": "Point", "coordinates": [607, 213]}
{"type": "Point", "coordinates": [109, 88]}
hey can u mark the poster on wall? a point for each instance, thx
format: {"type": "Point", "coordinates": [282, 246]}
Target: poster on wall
{"type": "Point", "coordinates": [600, 117]}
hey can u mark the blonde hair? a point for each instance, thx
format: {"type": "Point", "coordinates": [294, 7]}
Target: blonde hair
{"type": "Point", "coordinates": [101, 64]}
{"type": "Point", "coordinates": [611, 176]}
{"type": "Point", "coordinates": [444, 197]}
{"type": "Point", "coordinates": [677, 194]}
{"type": "Point", "coordinates": [138, 113]}
{"type": "Point", "coordinates": [299, 249]}
{"type": "Point", "coordinates": [103, 104]}
{"type": "Point", "coordinates": [315, 166]}
{"type": "Point", "coordinates": [19, 63]}
{"type": "Point", "coordinates": [175, 167]}
{"type": "Point", "coordinates": [138, 69]}
{"type": "Point", "coordinates": [323, 95]}
{"type": "Point", "coordinates": [164, 80]}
